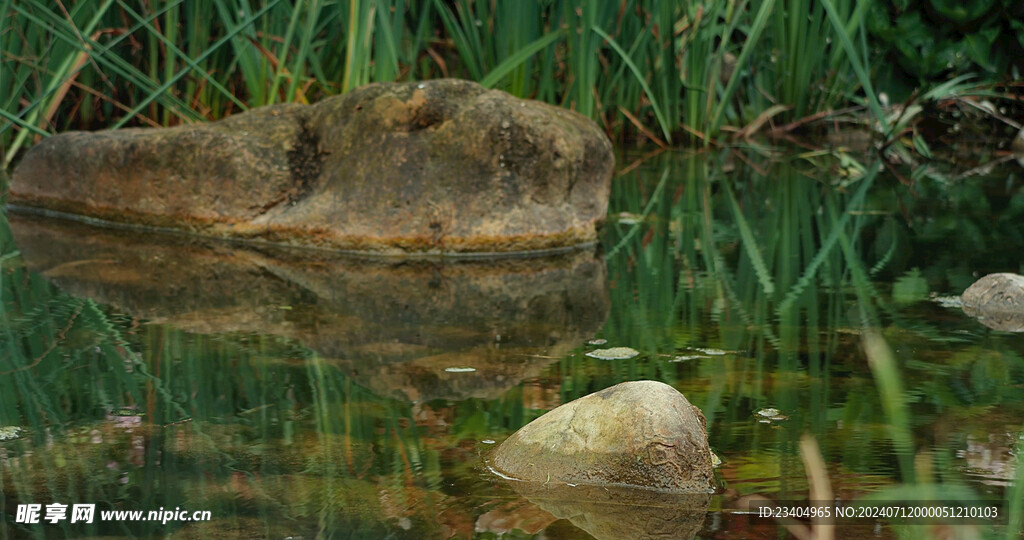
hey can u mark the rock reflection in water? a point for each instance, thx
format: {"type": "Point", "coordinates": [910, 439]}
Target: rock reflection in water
{"type": "Point", "coordinates": [393, 325]}
{"type": "Point", "coordinates": [621, 512]}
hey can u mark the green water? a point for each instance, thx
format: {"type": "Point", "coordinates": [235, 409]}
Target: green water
{"type": "Point", "coordinates": [344, 398]}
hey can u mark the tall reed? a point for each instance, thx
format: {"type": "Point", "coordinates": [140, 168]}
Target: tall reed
{"type": "Point", "coordinates": [645, 69]}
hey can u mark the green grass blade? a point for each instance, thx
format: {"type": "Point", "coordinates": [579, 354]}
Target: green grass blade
{"type": "Point", "coordinates": [63, 71]}
{"type": "Point", "coordinates": [305, 46]}
{"type": "Point", "coordinates": [1015, 496]}
{"type": "Point", "coordinates": [23, 123]}
{"type": "Point", "coordinates": [286, 44]}
{"type": "Point", "coordinates": [172, 48]}
{"type": "Point", "coordinates": [170, 82]}
{"type": "Point", "coordinates": [826, 247]}
{"type": "Point", "coordinates": [658, 112]}
{"type": "Point", "coordinates": [520, 56]}
{"type": "Point", "coordinates": [655, 197]}
{"type": "Point", "coordinates": [949, 88]}
{"type": "Point", "coordinates": [750, 246]}
{"type": "Point", "coordinates": [752, 43]}
{"type": "Point", "coordinates": [882, 362]}
{"type": "Point", "coordinates": [386, 62]}
{"type": "Point", "coordinates": [467, 51]}
{"type": "Point", "coordinates": [102, 56]}
{"type": "Point", "coordinates": [855, 62]}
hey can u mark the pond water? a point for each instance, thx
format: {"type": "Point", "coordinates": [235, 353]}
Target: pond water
{"type": "Point", "coordinates": [305, 397]}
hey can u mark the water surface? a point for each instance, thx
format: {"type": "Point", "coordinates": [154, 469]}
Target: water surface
{"type": "Point", "coordinates": [343, 398]}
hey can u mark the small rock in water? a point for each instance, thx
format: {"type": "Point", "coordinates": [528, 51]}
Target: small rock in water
{"type": "Point", "coordinates": [614, 353]}
{"type": "Point", "coordinates": [688, 357]}
{"type": "Point", "coordinates": [460, 369]}
{"type": "Point", "coordinates": [768, 413]}
{"type": "Point", "coordinates": [487, 441]}
{"type": "Point", "coordinates": [597, 341]}
{"type": "Point", "coordinates": [643, 434]}
{"type": "Point", "coordinates": [997, 301]}
{"type": "Point", "coordinates": [712, 352]}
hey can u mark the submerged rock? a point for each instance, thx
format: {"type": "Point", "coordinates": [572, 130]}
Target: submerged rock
{"type": "Point", "coordinates": [643, 434]}
{"type": "Point", "coordinates": [437, 167]}
{"type": "Point", "coordinates": [997, 301]}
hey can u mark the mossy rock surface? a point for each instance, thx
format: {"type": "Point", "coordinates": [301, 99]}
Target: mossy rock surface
{"type": "Point", "coordinates": [442, 166]}
{"type": "Point", "coordinates": [642, 434]}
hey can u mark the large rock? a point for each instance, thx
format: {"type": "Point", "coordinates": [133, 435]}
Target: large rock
{"type": "Point", "coordinates": [644, 434]}
{"type": "Point", "coordinates": [997, 301]}
{"type": "Point", "coordinates": [438, 167]}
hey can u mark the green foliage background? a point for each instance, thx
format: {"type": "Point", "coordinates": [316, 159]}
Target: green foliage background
{"type": "Point", "coordinates": [930, 40]}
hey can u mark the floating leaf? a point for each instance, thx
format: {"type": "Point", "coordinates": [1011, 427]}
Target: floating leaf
{"type": "Point", "coordinates": [614, 353]}
{"type": "Point", "coordinates": [688, 357]}
{"type": "Point", "coordinates": [460, 369]}
{"type": "Point", "coordinates": [626, 218]}
{"type": "Point", "coordinates": [769, 415]}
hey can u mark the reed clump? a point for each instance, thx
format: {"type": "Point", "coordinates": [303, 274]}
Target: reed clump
{"type": "Point", "coordinates": [646, 70]}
